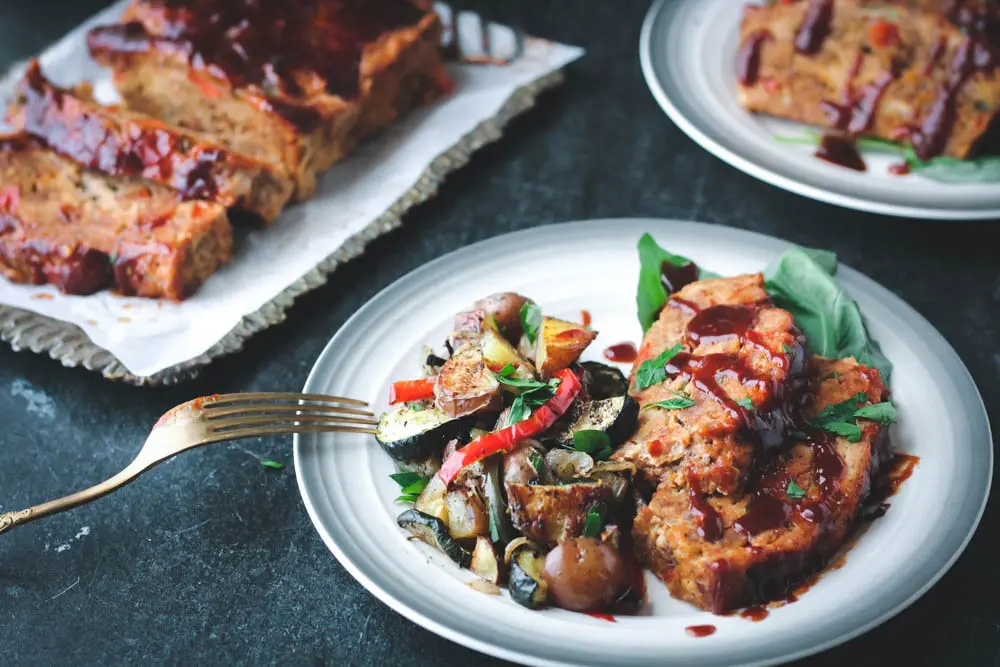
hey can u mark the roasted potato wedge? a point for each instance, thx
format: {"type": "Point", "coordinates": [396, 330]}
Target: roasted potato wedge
{"type": "Point", "coordinates": [560, 343]}
{"type": "Point", "coordinates": [466, 385]}
{"type": "Point", "coordinates": [551, 514]}
{"type": "Point", "coordinates": [498, 352]}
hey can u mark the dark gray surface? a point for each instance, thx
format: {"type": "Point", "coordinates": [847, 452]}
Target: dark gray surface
{"type": "Point", "coordinates": [212, 558]}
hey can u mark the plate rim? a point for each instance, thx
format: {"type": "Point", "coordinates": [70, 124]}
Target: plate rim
{"type": "Point", "coordinates": [495, 650]}
{"type": "Point", "coordinates": [660, 10]}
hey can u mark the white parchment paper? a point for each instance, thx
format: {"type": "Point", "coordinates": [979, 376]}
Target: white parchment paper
{"type": "Point", "coordinates": [148, 336]}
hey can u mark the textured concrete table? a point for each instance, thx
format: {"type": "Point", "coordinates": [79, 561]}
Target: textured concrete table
{"type": "Point", "coordinates": [211, 558]}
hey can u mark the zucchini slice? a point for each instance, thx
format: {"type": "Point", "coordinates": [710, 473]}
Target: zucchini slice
{"type": "Point", "coordinates": [527, 586]}
{"type": "Point", "coordinates": [434, 532]}
{"type": "Point", "coordinates": [603, 381]}
{"type": "Point", "coordinates": [485, 562]}
{"type": "Point", "coordinates": [410, 433]}
{"type": "Point", "coordinates": [615, 416]}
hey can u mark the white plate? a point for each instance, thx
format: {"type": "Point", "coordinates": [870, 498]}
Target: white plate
{"type": "Point", "coordinates": [345, 485]}
{"type": "Point", "coordinates": [688, 49]}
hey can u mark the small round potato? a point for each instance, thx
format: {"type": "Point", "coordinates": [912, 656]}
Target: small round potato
{"type": "Point", "coordinates": [585, 574]}
{"type": "Point", "coordinates": [505, 307]}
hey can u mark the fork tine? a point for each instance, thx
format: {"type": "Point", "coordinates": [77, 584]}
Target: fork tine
{"type": "Point", "coordinates": [260, 408]}
{"type": "Point", "coordinates": [484, 35]}
{"type": "Point", "coordinates": [225, 424]}
{"type": "Point", "coordinates": [257, 432]}
{"type": "Point", "coordinates": [229, 399]}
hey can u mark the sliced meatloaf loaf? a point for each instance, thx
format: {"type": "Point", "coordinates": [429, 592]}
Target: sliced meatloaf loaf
{"type": "Point", "coordinates": [725, 552]}
{"type": "Point", "coordinates": [739, 363]}
{"type": "Point", "coordinates": [125, 143]}
{"type": "Point", "coordinates": [295, 84]}
{"type": "Point", "coordinates": [85, 231]}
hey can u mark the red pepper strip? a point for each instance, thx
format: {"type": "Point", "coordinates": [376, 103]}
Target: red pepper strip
{"type": "Point", "coordinates": [411, 390]}
{"type": "Point", "coordinates": [506, 439]}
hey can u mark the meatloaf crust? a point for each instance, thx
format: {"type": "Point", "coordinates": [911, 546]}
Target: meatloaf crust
{"type": "Point", "coordinates": [295, 84]}
{"type": "Point", "coordinates": [897, 73]}
{"type": "Point", "coordinates": [84, 231]}
{"type": "Point", "coordinates": [721, 553]}
{"type": "Point", "coordinates": [740, 372]}
{"type": "Point", "coordinates": [124, 143]}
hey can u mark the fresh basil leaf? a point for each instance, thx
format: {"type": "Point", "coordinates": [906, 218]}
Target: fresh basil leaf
{"type": "Point", "coordinates": [406, 498]}
{"type": "Point", "coordinates": [651, 295]}
{"type": "Point", "coordinates": [799, 282]}
{"type": "Point", "coordinates": [794, 491]}
{"type": "Point", "coordinates": [416, 487]}
{"type": "Point", "coordinates": [405, 479]}
{"type": "Point", "coordinates": [536, 463]}
{"type": "Point", "coordinates": [494, 529]}
{"type": "Point", "coordinates": [678, 402]}
{"type": "Point", "coordinates": [518, 411]}
{"type": "Point", "coordinates": [268, 463]}
{"type": "Point", "coordinates": [506, 371]}
{"type": "Point", "coordinates": [884, 413]}
{"type": "Point", "coordinates": [593, 442]}
{"type": "Point", "coordinates": [745, 403]}
{"type": "Point", "coordinates": [653, 371]}
{"type": "Point", "coordinates": [531, 320]}
{"type": "Point", "coordinates": [985, 169]}
{"type": "Point", "coordinates": [595, 521]}
{"type": "Point", "coordinates": [518, 383]}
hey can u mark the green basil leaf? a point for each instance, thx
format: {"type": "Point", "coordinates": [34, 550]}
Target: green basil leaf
{"type": "Point", "coordinates": [745, 403]}
{"type": "Point", "coordinates": [794, 491]}
{"type": "Point", "coordinates": [985, 169]}
{"type": "Point", "coordinates": [651, 295]}
{"type": "Point", "coordinates": [416, 487]}
{"type": "Point", "coordinates": [883, 413]}
{"type": "Point", "coordinates": [531, 320]}
{"type": "Point", "coordinates": [653, 371]}
{"type": "Point", "coordinates": [593, 442]}
{"type": "Point", "coordinates": [518, 383]}
{"type": "Point", "coordinates": [268, 463]}
{"type": "Point", "coordinates": [536, 463]}
{"type": "Point", "coordinates": [678, 402]}
{"type": "Point", "coordinates": [595, 521]}
{"type": "Point", "coordinates": [518, 411]}
{"type": "Point", "coordinates": [406, 498]}
{"type": "Point", "coordinates": [800, 282]}
{"type": "Point", "coordinates": [405, 479]}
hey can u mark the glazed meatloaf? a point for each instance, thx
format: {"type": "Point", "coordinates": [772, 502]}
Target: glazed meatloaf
{"type": "Point", "coordinates": [725, 552]}
{"type": "Point", "coordinates": [124, 143]}
{"type": "Point", "coordinates": [295, 84]}
{"type": "Point", "coordinates": [85, 231]}
{"type": "Point", "coordinates": [898, 73]}
{"type": "Point", "coordinates": [740, 364]}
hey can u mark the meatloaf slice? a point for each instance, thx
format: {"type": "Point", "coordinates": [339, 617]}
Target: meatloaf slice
{"type": "Point", "coordinates": [124, 143]}
{"type": "Point", "coordinates": [721, 553]}
{"type": "Point", "coordinates": [897, 73]}
{"type": "Point", "coordinates": [85, 231]}
{"type": "Point", "coordinates": [740, 366]}
{"type": "Point", "coordinates": [294, 84]}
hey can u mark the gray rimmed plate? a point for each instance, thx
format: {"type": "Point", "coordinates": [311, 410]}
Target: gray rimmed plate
{"type": "Point", "coordinates": [349, 496]}
{"type": "Point", "coordinates": [687, 49]}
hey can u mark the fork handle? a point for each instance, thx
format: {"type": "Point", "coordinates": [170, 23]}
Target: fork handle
{"type": "Point", "coordinates": [11, 520]}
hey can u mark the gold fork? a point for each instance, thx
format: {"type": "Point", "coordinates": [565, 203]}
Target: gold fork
{"type": "Point", "coordinates": [217, 418]}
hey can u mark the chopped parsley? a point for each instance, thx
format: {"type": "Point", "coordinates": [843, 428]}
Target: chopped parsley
{"type": "Point", "coordinates": [840, 418]}
{"type": "Point", "coordinates": [745, 403]}
{"type": "Point", "coordinates": [654, 371]}
{"type": "Point", "coordinates": [531, 320]}
{"type": "Point", "coordinates": [678, 402]}
{"type": "Point", "coordinates": [593, 442]}
{"type": "Point", "coordinates": [794, 491]}
{"type": "Point", "coordinates": [595, 521]}
{"type": "Point", "coordinates": [268, 463]}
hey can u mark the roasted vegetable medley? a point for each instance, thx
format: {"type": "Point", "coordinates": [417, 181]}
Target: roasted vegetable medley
{"type": "Point", "coordinates": [502, 449]}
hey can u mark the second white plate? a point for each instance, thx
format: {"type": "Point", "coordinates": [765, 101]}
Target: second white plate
{"type": "Point", "coordinates": [349, 496]}
{"type": "Point", "coordinates": [688, 52]}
